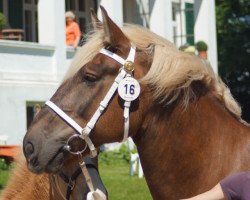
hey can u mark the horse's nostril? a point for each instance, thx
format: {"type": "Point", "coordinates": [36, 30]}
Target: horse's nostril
{"type": "Point", "coordinates": [29, 149]}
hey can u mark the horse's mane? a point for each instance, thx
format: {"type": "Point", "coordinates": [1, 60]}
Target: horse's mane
{"type": "Point", "coordinates": [172, 72]}
{"type": "Point", "coordinates": [24, 185]}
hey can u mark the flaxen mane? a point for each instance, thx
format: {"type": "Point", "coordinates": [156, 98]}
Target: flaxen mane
{"type": "Point", "coordinates": [171, 72]}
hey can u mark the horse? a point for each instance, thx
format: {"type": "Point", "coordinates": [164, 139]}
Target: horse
{"type": "Point", "coordinates": [185, 123]}
{"type": "Point", "coordinates": [24, 184]}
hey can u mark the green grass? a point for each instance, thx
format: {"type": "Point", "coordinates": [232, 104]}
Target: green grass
{"type": "Point", "coordinates": [121, 186]}
{"type": "Point", "coordinates": [4, 174]}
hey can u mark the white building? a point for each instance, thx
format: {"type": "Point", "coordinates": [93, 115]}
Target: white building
{"type": "Point", "coordinates": [31, 70]}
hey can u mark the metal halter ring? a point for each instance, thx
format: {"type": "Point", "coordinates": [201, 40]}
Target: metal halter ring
{"type": "Point", "coordinates": [69, 148]}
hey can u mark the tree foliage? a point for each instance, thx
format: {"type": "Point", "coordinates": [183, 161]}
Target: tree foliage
{"type": "Point", "coordinates": [2, 20]}
{"type": "Point", "coordinates": [233, 36]}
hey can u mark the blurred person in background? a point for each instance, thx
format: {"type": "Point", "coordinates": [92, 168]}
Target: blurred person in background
{"type": "Point", "coordinates": [73, 33]}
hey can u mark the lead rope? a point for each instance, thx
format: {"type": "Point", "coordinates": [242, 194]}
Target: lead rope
{"type": "Point", "coordinates": [93, 194]}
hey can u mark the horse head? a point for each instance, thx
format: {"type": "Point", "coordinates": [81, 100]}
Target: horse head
{"type": "Point", "coordinates": [80, 95]}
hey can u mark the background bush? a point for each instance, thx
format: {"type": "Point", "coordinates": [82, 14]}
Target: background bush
{"type": "Point", "coordinates": [121, 156]}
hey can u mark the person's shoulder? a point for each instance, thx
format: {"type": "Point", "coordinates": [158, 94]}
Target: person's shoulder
{"type": "Point", "coordinates": [243, 177]}
{"type": "Point", "coordinates": [75, 24]}
{"type": "Point", "coordinates": [236, 179]}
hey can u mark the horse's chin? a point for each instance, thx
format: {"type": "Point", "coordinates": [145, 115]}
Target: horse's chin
{"type": "Point", "coordinates": [51, 166]}
{"type": "Point", "coordinates": [35, 169]}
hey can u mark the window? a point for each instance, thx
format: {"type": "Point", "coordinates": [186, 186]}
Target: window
{"type": "Point", "coordinates": [32, 108]}
{"type": "Point", "coordinates": [30, 20]}
{"type": "Point", "coordinates": [177, 25]}
{"type": "Point", "coordinates": [137, 12]}
{"type": "Point", "coordinates": [15, 13]}
{"type": "Point", "coordinates": [28, 24]}
{"type": "Point", "coordinates": [21, 14]}
{"type": "Point", "coordinates": [28, 1]}
{"type": "Point", "coordinates": [81, 5]}
{"type": "Point", "coordinates": [183, 22]}
{"type": "Point", "coordinates": [189, 13]}
{"type": "Point", "coordinates": [70, 5]}
{"type": "Point", "coordinates": [1, 6]}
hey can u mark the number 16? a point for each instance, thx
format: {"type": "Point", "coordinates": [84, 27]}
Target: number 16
{"type": "Point", "coordinates": [130, 89]}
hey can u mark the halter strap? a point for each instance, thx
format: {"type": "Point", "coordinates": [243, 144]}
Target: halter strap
{"type": "Point", "coordinates": [131, 55]}
{"type": "Point", "coordinates": [70, 181]}
{"type": "Point", "coordinates": [113, 55]}
{"type": "Point", "coordinates": [127, 105]}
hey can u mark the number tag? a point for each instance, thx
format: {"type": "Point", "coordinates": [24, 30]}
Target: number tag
{"type": "Point", "coordinates": [129, 89]}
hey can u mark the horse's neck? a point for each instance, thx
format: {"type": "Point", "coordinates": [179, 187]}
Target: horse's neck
{"type": "Point", "coordinates": [186, 152]}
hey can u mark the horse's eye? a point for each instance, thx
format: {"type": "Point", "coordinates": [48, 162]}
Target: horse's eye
{"type": "Point", "coordinates": [90, 78]}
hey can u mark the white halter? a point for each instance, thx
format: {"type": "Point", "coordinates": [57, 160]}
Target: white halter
{"type": "Point", "coordinates": [125, 70]}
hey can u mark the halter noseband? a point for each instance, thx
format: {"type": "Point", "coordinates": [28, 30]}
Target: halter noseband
{"type": "Point", "coordinates": [125, 71]}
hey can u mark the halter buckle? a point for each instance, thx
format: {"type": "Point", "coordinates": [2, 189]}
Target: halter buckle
{"type": "Point", "coordinates": [129, 66]}
{"type": "Point", "coordinates": [71, 184]}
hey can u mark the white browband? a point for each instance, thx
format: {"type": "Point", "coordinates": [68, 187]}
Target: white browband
{"type": "Point", "coordinates": [84, 132]}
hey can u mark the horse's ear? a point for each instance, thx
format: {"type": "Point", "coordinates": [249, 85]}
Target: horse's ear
{"type": "Point", "coordinates": [96, 23]}
{"type": "Point", "coordinates": [113, 34]}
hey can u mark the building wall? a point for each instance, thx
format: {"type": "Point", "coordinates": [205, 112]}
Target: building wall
{"type": "Point", "coordinates": [27, 73]}
{"type": "Point", "coordinates": [13, 98]}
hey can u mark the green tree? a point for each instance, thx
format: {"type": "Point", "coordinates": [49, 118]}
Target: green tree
{"type": "Point", "coordinates": [2, 20]}
{"type": "Point", "coordinates": [233, 37]}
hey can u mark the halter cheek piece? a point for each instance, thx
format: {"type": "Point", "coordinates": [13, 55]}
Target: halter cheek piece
{"type": "Point", "coordinates": [125, 71]}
